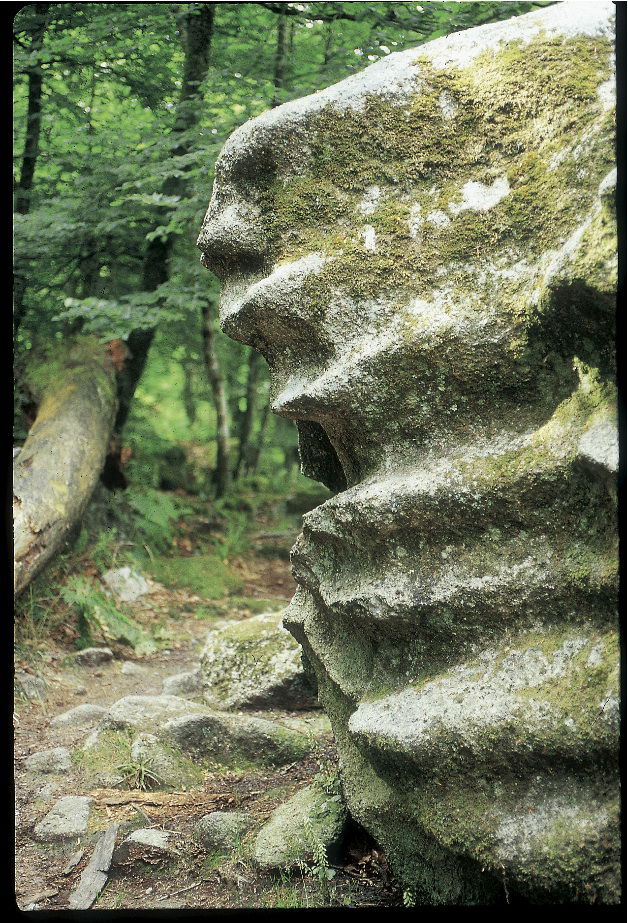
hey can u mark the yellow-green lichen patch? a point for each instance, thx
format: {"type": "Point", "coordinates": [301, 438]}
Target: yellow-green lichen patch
{"type": "Point", "coordinates": [515, 114]}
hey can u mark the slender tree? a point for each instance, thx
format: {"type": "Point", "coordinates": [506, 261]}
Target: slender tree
{"type": "Point", "coordinates": [222, 472]}
{"type": "Point", "coordinates": [24, 186]}
{"type": "Point", "coordinates": [196, 26]}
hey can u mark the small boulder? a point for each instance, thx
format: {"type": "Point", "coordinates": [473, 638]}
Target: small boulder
{"type": "Point", "coordinates": [31, 687]}
{"type": "Point", "coordinates": [147, 843]}
{"type": "Point", "coordinates": [125, 584]}
{"type": "Point", "coordinates": [255, 663]}
{"type": "Point", "coordinates": [232, 738]}
{"type": "Point", "coordinates": [66, 820]}
{"type": "Point", "coordinates": [93, 656]}
{"type": "Point", "coordinates": [167, 767]}
{"type": "Point", "coordinates": [149, 712]}
{"type": "Point", "coordinates": [187, 683]}
{"type": "Point", "coordinates": [57, 759]}
{"type": "Point", "coordinates": [129, 668]}
{"type": "Point", "coordinates": [222, 829]}
{"type": "Point", "coordinates": [81, 716]}
{"type": "Point", "coordinates": [311, 819]}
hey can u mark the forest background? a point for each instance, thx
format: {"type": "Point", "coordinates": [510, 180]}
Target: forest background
{"type": "Point", "coordinates": [120, 110]}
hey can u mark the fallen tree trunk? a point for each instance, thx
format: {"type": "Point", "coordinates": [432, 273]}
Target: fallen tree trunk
{"type": "Point", "coordinates": [58, 467]}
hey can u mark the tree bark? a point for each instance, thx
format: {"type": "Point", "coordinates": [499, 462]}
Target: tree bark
{"type": "Point", "coordinates": [57, 469]}
{"type": "Point", "coordinates": [222, 473]}
{"type": "Point", "coordinates": [280, 60]}
{"type": "Point", "coordinates": [257, 448]}
{"type": "Point", "coordinates": [246, 423]}
{"type": "Point", "coordinates": [31, 149]}
{"type": "Point", "coordinates": [197, 25]}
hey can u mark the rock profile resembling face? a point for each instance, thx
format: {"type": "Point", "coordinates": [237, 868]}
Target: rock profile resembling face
{"type": "Point", "coordinates": [425, 254]}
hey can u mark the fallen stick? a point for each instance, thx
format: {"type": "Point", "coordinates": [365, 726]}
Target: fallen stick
{"type": "Point", "coordinates": [181, 891]}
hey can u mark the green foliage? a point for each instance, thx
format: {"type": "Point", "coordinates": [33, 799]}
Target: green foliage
{"type": "Point", "coordinates": [96, 613]}
{"type": "Point", "coordinates": [409, 898]}
{"type": "Point", "coordinates": [155, 514]}
{"type": "Point", "coordinates": [139, 774]}
{"type": "Point", "coordinates": [204, 574]}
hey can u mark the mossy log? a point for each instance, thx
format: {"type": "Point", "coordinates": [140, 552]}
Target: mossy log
{"type": "Point", "coordinates": [56, 471]}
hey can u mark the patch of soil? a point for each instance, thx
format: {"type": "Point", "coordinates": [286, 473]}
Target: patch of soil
{"type": "Point", "coordinates": [198, 879]}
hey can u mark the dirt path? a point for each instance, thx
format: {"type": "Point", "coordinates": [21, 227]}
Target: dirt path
{"type": "Point", "coordinates": [197, 879]}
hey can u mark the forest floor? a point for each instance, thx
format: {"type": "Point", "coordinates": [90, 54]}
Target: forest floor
{"type": "Point", "coordinates": [196, 878]}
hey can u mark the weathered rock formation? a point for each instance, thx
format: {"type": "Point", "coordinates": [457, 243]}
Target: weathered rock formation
{"type": "Point", "coordinates": [426, 256]}
{"type": "Point", "coordinates": [254, 663]}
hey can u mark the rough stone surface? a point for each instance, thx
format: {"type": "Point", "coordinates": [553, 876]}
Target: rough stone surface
{"type": "Point", "coordinates": [149, 712]}
{"type": "Point", "coordinates": [426, 256]}
{"type": "Point", "coordinates": [93, 656]}
{"type": "Point", "coordinates": [57, 759]}
{"type": "Point", "coordinates": [82, 716]}
{"type": "Point", "coordinates": [187, 683]}
{"type": "Point", "coordinates": [129, 668]}
{"type": "Point", "coordinates": [31, 687]}
{"type": "Point", "coordinates": [66, 820]}
{"type": "Point", "coordinates": [125, 584]}
{"type": "Point", "coordinates": [222, 829]}
{"type": "Point", "coordinates": [147, 843]}
{"type": "Point", "coordinates": [170, 768]}
{"type": "Point", "coordinates": [229, 738]}
{"type": "Point", "coordinates": [310, 819]}
{"type": "Point", "coordinates": [255, 663]}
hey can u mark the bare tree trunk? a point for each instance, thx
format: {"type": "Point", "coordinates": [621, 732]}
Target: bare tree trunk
{"type": "Point", "coordinates": [280, 60]}
{"type": "Point", "coordinates": [246, 423]}
{"type": "Point", "coordinates": [222, 474]}
{"type": "Point", "coordinates": [57, 469]}
{"type": "Point", "coordinates": [197, 26]}
{"type": "Point", "coordinates": [31, 149]}
{"type": "Point", "coordinates": [257, 449]}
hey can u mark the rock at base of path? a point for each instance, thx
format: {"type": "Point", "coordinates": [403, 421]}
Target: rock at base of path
{"type": "Point", "coordinates": [146, 843]}
{"type": "Point", "coordinates": [298, 828]}
{"type": "Point", "coordinates": [66, 820]}
{"type": "Point", "coordinates": [222, 829]}
{"type": "Point", "coordinates": [255, 663]}
{"type": "Point", "coordinates": [31, 687]}
{"type": "Point", "coordinates": [183, 683]}
{"type": "Point", "coordinates": [82, 716]}
{"type": "Point", "coordinates": [233, 738]}
{"type": "Point", "coordinates": [168, 768]}
{"type": "Point", "coordinates": [93, 656]}
{"type": "Point", "coordinates": [129, 668]}
{"type": "Point", "coordinates": [125, 584]}
{"type": "Point", "coordinates": [56, 760]}
{"type": "Point", "coordinates": [149, 712]}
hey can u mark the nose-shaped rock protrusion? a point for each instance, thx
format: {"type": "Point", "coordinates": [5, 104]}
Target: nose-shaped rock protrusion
{"type": "Point", "coordinates": [233, 238]}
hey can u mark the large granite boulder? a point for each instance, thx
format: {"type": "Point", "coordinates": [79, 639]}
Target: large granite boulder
{"type": "Point", "coordinates": [255, 663]}
{"type": "Point", "coordinates": [426, 256]}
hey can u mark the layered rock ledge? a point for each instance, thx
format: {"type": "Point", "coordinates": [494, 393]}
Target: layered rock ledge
{"type": "Point", "coordinates": [426, 256]}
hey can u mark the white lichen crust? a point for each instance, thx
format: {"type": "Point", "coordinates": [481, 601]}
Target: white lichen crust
{"type": "Point", "coordinates": [426, 256]}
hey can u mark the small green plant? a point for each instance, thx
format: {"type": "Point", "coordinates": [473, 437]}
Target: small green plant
{"type": "Point", "coordinates": [94, 612]}
{"type": "Point", "coordinates": [328, 779]}
{"type": "Point", "coordinates": [409, 898]}
{"type": "Point", "coordinates": [234, 539]}
{"type": "Point", "coordinates": [138, 773]}
{"type": "Point", "coordinates": [318, 868]}
{"type": "Point", "coordinates": [155, 513]}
